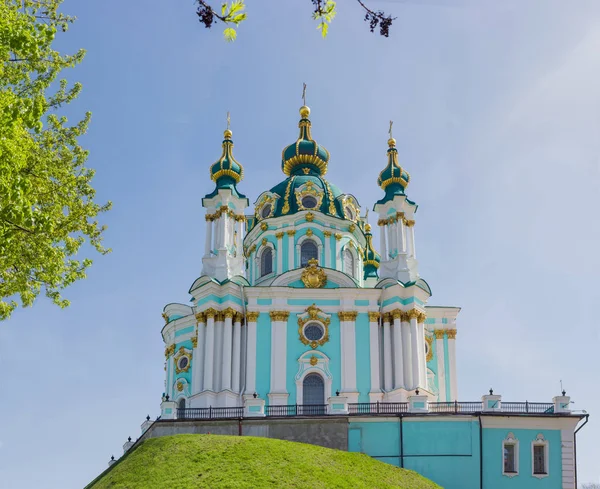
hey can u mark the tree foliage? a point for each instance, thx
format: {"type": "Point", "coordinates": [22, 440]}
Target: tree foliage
{"type": "Point", "coordinates": [47, 208]}
{"type": "Point", "coordinates": [233, 13]}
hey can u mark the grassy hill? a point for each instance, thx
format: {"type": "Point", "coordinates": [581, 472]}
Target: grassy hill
{"type": "Point", "coordinates": [213, 461]}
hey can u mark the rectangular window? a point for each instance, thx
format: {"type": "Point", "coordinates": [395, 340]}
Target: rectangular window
{"type": "Point", "coordinates": [510, 466]}
{"type": "Point", "coordinates": [539, 459]}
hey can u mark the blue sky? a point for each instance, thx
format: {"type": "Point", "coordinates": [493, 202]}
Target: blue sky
{"type": "Point", "coordinates": [495, 107]}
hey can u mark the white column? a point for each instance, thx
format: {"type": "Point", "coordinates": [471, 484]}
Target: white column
{"type": "Point", "coordinates": [390, 240]}
{"type": "Point", "coordinates": [278, 394]}
{"type": "Point", "coordinates": [348, 353]}
{"type": "Point", "coordinates": [198, 355]}
{"type": "Point", "coordinates": [279, 252]}
{"type": "Point", "coordinates": [394, 240]}
{"type": "Point", "coordinates": [218, 353]}
{"type": "Point", "coordinates": [251, 318]}
{"type": "Point", "coordinates": [410, 229]}
{"type": "Point", "coordinates": [422, 356]}
{"type": "Point", "coordinates": [338, 257]}
{"type": "Point", "coordinates": [387, 354]}
{"type": "Point", "coordinates": [227, 349]}
{"type": "Point", "coordinates": [327, 235]}
{"type": "Point", "coordinates": [208, 242]}
{"type": "Point", "coordinates": [452, 363]}
{"type": "Point", "coordinates": [401, 235]}
{"type": "Point", "coordinates": [382, 242]}
{"type": "Point", "coordinates": [374, 352]}
{"type": "Point", "coordinates": [237, 341]}
{"type": "Point", "coordinates": [441, 365]}
{"type": "Point", "coordinates": [414, 346]}
{"type": "Point", "coordinates": [398, 357]}
{"type": "Point", "coordinates": [407, 352]}
{"type": "Point", "coordinates": [209, 346]}
{"type": "Point", "coordinates": [291, 249]}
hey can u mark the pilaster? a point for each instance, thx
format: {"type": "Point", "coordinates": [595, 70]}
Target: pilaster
{"type": "Point", "coordinates": [251, 318]}
{"type": "Point", "coordinates": [375, 393]}
{"type": "Point", "coordinates": [348, 353]}
{"type": "Point", "coordinates": [278, 394]}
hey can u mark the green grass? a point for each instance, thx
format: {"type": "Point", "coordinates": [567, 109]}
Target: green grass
{"type": "Point", "coordinates": [214, 461]}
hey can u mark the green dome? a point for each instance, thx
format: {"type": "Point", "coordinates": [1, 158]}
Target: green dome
{"type": "Point", "coordinates": [226, 171]}
{"type": "Point", "coordinates": [393, 179]}
{"type": "Point", "coordinates": [305, 155]}
{"type": "Point", "coordinates": [295, 189]}
{"type": "Point", "coordinates": [371, 258]}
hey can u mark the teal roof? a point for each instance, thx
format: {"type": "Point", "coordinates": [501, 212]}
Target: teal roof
{"type": "Point", "coordinates": [305, 154]}
{"type": "Point", "coordinates": [371, 258]}
{"type": "Point", "coordinates": [288, 203]}
{"type": "Point", "coordinates": [393, 179]}
{"type": "Point", "coordinates": [226, 172]}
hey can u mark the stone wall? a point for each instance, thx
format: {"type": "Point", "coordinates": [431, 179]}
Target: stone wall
{"type": "Point", "coordinates": [329, 433]}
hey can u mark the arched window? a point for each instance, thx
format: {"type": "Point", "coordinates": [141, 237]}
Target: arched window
{"type": "Point", "coordinates": [266, 262]}
{"type": "Point", "coordinates": [313, 394]}
{"type": "Point", "coordinates": [349, 262]}
{"type": "Point", "coordinates": [308, 250]}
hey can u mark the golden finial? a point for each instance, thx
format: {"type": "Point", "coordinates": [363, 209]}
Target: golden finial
{"type": "Point", "coordinates": [368, 228]}
{"type": "Point", "coordinates": [391, 141]}
{"type": "Point", "coordinates": [228, 132]}
{"type": "Point", "coordinates": [304, 110]}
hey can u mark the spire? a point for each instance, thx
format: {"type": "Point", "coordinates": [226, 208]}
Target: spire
{"type": "Point", "coordinates": [305, 156]}
{"type": "Point", "coordinates": [226, 172]}
{"type": "Point", "coordinates": [393, 178]}
{"type": "Point", "coordinates": [371, 258]}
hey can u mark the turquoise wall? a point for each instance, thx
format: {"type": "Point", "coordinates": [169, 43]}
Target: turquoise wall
{"type": "Point", "coordinates": [363, 357]}
{"type": "Point", "coordinates": [447, 452]}
{"type": "Point", "coordinates": [295, 348]}
{"type": "Point", "coordinates": [263, 355]}
{"type": "Point", "coordinates": [492, 459]}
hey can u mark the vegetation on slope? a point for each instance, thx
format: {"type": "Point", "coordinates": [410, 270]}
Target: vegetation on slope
{"type": "Point", "coordinates": [214, 461]}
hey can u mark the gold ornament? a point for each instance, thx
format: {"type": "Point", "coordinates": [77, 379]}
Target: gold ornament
{"type": "Point", "coordinates": [165, 317]}
{"type": "Point", "coordinates": [414, 314]}
{"type": "Point", "coordinates": [314, 314]}
{"type": "Point", "coordinates": [279, 235]}
{"type": "Point", "coordinates": [338, 236]}
{"type": "Point", "coordinates": [169, 350]}
{"type": "Point", "coordinates": [314, 360]}
{"type": "Point", "coordinates": [439, 333]}
{"type": "Point", "coordinates": [314, 277]}
{"type": "Point", "coordinates": [374, 316]}
{"type": "Point", "coordinates": [347, 315]}
{"type": "Point", "coordinates": [327, 234]}
{"type": "Point", "coordinates": [194, 341]}
{"type": "Point", "coordinates": [429, 340]}
{"type": "Point", "coordinates": [229, 313]}
{"type": "Point", "coordinates": [180, 354]}
{"type": "Point", "coordinates": [264, 226]}
{"type": "Point", "coordinates": [210, 313]}
{"type": "Point", "coordinates": [201, 317]}
{"type": "Point", "coordinates": [291, 232]}
{"type": "Point", "coordinates": [264, 241]}
{"type": "Point", "coordinates": [352, 227]}
{"type": "Point", "coordinates": [286, 198]}
{"type": "Point", "coordinates": [179, 385]}
{"type": "Point", "coordinates": [451, 334]}
{"type": "Point", "coordinates": [310, 216]}
{"type": "Point", "coordinates": [252, 316]}
{"type": "Point", "coordinates": [309, 232]}
{"type": "Point", "coordinates": [279, 315]}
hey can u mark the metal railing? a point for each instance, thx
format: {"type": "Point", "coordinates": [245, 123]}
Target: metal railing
{"type": "Point", "coordinates": [527, 407]}
{"type": "Point", "coordinates": [367, 409]}
{"type": "Point", "coordinates": [377, 408]}
{"type": "Point", "coordinates": [210, 413]}
{"type": "Point", "coordinates": [297, 410]}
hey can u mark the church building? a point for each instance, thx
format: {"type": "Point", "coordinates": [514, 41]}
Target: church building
{"type": "Point", "coordinates": [298, 316]}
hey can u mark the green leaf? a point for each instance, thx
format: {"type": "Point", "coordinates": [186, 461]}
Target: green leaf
{"type": "Point", "coordinates": [223, 9]}
{"type": "Point", "coordinates": [230, 34]}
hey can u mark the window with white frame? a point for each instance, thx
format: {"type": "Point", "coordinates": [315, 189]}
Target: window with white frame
{"type": "Point", "coordinates": [348, 262]}
{"type": "Point", "coordinates": [510, 455]}
{"type": "Point", "coordinates": [266, 262]}
{"type": "Point", "coordinates": [539, 456]}
{"type": "Point", "coordinates": [308, 251]}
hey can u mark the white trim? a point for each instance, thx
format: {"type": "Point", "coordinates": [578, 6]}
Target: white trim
{"type": "Point", "coordinates": [374, 357]}
{"type": "Point", "coordinates": [278, 359]}
{"type": "Point", "coordinates": [251, 357]}
{"type": "Point", "coordinates": [441, 369]}
{"type": "Point", "coordinates": [305, 368]}
{"type": "Point", "coordinates": [387, 357]}
{"type": "Point", "coordinates": [348, 353]}
{"type": "Point", "coordinates": [280, 254]}
{"type": "Point", "coordinates": [209, 348]}
{"type": "Point", "coordinates": [540, 440]}
{"type": "Point", "coordinates": [511, 440]}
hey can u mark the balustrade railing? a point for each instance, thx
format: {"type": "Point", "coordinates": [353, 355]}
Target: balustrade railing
{"type": "Point", "coordinates": [366, 409]}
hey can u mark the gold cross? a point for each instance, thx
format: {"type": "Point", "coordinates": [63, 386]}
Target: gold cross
{"type": "Point", "coordinates": [304, 93]}
{"type": "Point", "coordinates": [390, 131]}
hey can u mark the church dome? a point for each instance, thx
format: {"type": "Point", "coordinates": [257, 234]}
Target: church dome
{"type": "Point", "coordinates": [393, 179]}
{"type": "Point", "coordinates": [371, 259]}
{"type": "Point", "coordinates": [226, 172]}
{"type": "Point", "coordinates": [305, 155]}
{"type": "Point", "coordinates": [307, 192]}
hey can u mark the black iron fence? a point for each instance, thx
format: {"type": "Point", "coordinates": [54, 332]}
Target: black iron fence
{"type": "Point", "coordinates": [367, 409]}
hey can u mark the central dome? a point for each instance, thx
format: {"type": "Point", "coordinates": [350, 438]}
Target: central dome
{"type": "Point", "coordinates": [305, 155]}
{"type": "Point", "coordinates": [307, 192]}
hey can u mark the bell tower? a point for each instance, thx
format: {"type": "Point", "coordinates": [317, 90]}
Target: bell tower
{"type": "Point", "coordinates": [223, 255]}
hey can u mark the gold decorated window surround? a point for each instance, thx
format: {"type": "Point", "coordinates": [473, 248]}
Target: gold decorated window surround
{"type": "Point", "coordinates": [182, 352]}
{"type": "Point", "coordinates": [308, 189]}
{"type": "Point", "coordinates": [313, 315]}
